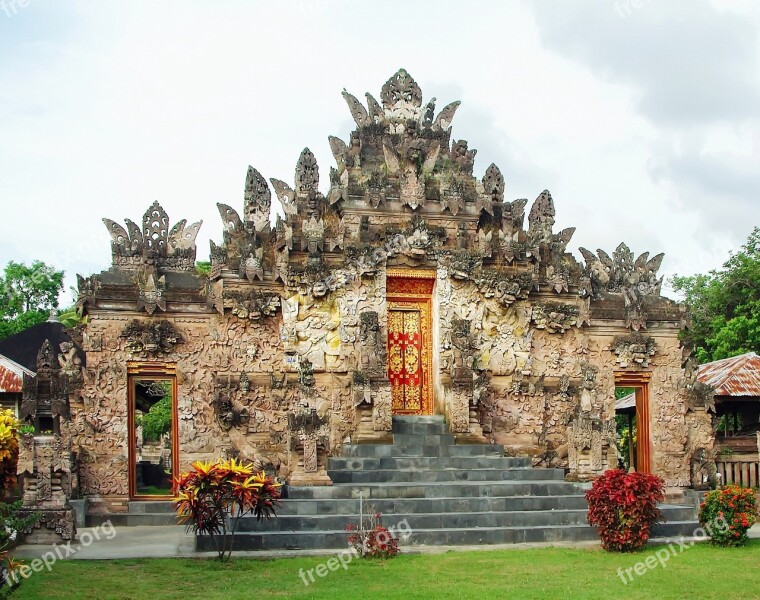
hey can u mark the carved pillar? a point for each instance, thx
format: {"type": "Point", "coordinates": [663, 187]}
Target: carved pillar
{"type": "Point", "coordinates": [308, 449]}
{"type": "Point", "coordinates": [46, 461]}
{"type": "Point", "coordinates": [48, 471]}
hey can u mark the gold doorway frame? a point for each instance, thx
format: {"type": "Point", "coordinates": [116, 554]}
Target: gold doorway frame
{"type": "Point", "coordinates": [412, 290]}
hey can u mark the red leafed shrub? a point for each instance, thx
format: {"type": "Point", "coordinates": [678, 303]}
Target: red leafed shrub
{"type": "Point", "coordinates": [623, 507]}
{"type": "Point", "coordinates": [727, 513]}
{"type": "Point", "coordinates": [374, 540]}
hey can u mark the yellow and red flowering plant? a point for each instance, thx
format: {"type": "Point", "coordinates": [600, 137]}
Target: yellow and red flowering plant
{"type": "Point", "coordinates": [213, 496]}
{"type": "Point", "coordinates": [729, 512]}
{"type": "Point", "coordinates": [623, 507]}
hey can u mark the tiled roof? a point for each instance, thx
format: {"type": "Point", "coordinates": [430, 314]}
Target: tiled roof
{"type": "Point", "coordinates": [11, 375]}
{"type": "Point", "coordinates": [736, 376]}
{"type": "Point", "coordinates": [628, 401]}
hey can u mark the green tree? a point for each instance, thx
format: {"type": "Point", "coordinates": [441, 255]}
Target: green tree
{"type": "Point", "coordinates": [158, 420]}
{"type": "Point", "coordinates": [203, 267]}
{"type": "Point", "coordinates": [27, 295]}
{"type": "Point", "coordinates": [725, 305]}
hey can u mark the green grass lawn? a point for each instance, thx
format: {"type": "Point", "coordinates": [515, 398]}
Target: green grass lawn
{"type": "Point", "coordinates": [699, 572]}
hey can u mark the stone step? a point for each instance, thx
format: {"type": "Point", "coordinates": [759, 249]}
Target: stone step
{"type": "Point", "coordinates": [132, 519]}
{"type": "Point", "coordinates": [428, 463]}
{"type": "Point", "coordinates": [418, 439]}
{"type": "Point", "coordinates": [436, 489]}
{"type": "Point", "coordinates": [150, 506]}
{"type": "Point", "coordinates": [420, 429]}
{"type": "Point", "coordinates": [413, 476]}
{"type": "Point", "coordinates": [420, 450]}
{"type": "Point", "coordinates": [390, 506]}
{"type": "Point", "coordinates": [453, 536]}
{"type": "Point", "coordinates": [437, 427]}
{"type": "Point", "coordinates": [338, 539]}
{"type": "Point", "coordinates": [425, 419]}
{"type": "Point", "coordinates": [440, 520]}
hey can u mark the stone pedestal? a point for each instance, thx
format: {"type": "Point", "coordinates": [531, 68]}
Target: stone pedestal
{"type": "Point", "coordinates": [310, 460]}
{"type": "Point", "coordinates": [46, 464]}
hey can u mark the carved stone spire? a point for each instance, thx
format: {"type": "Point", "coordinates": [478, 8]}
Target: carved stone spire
{"type": "Point", "coordinates": [400, 93]}
{"type": "Point", "coordinates": [156, 228]}
{"type": "Point", "coordinates": [541, 220]}
{"type": "Point", "coordinates": [307, 173]}
{"type": "Point", "coordinates": [164, 248]}
{"type": "Point", "coordinates": [493, 183]}
{"type": "Point", "coordinates": [258, 200]}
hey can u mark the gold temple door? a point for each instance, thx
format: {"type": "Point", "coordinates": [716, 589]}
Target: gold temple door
{"type": "Point", "coordinates": [404, 353]}
{"type": "Point", "coordinates": [409, 344]}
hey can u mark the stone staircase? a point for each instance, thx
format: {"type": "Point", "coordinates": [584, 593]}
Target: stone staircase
{"type": "Point", "coordinates": [139, 512]}
{"type": "Point", "coordinates": [446, 494]}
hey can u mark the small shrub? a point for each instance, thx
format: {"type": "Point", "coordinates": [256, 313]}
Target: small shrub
{"type": "Point", "coordinates": [372, 540]}
{"type": "Point", "coordinates": [9, 429]}
{"type": "Point", "coordinates": [623, 508]}
{"type": "Point", "coordinates": [11, 524]}
{"type": "Point", "coordinates": [212, 497]}
{"type": "Point", "coordinates": [727, 513]}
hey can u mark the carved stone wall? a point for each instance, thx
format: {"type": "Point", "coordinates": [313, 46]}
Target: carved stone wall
{"type": "Point", "coordinates": [291, 318]}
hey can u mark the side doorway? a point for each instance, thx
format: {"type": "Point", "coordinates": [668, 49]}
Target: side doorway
{"type": "Point", "coordinates": [632, 413]}
{"type": "Point", "coordinates": [153, 439]}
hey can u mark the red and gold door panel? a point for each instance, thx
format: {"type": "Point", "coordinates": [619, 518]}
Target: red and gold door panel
{"type": "Point", "coordinates": [409, 345]}
{"type": "Point", "coordinates": [404, 353]}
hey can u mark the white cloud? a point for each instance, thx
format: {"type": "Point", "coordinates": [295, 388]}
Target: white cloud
{"type": "Point", "coordinates": [106, 107]}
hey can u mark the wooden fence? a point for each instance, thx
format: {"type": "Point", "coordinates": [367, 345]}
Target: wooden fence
{"type": "Point", "coordinates": [744, 471]}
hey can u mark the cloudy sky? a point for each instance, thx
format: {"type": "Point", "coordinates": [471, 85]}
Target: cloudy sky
{"type": "Point", "coordinates": [642, 117]}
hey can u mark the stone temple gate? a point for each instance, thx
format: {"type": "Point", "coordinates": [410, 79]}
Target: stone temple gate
{"type": "Point", "coordinates": [410, 287]}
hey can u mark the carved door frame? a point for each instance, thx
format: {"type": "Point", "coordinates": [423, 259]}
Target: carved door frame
{"type": "Point", "coordinates": [408, 289]}
{"type": "Point", "coordinates": [157, 371]}
{"type": "Point", "coordinates": [639, 381]}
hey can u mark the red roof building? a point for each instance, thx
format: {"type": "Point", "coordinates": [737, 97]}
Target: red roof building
{"type": "Point", "coordinates": [738, 376]}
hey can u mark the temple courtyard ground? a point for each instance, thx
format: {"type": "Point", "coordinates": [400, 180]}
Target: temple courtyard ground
{"type": "Point", "coordinates": [659, 571]}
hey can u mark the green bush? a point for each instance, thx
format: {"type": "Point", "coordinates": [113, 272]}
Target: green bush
{"type": "Point", "coordinates": [158, 420]}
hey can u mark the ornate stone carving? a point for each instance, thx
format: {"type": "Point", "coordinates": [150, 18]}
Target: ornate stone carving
{"type": "Point", "coordinates": [555, 318]}
{"type": "Point", "coordinates": [465, 349]}
{"type": "Point", "coordinates": [307, 174]}
{"type": "Point", "coordinates": [703, 469]}
{"type": "Point", "coordinates": [493, 187]}
{"type": "Point", "coordinates": [588, 387]}
{"type": "Point", "coordinates": [152, 292]}
{"type": "Point", "coordinates": [634, 350]}
{"type": "Point", "coordinates": [229, 413]}
{"type": "Point", "coordinates": [49, 479]}
{"type": "Point", "coordinates": [258, 200]}
{"type": "Point", "coordinates": [254, 305]}
{"type": "Point", "coordinates": [171, 250]}
{"type": "Point", "coordinates": [506, 288]}
{"type": "Point", "coordinates": [401, 98]}
{"type": "Point", "coordinates": [415, 240]}
{"type": "Point", "coordinates": [373, 346]}
{"type": "Point", "coordinates": [308, 299]}
{"type": "Point", "coordinates": [305, 421]}
{"type": "Point", "coordinates": [87, 291]}
{"type": "Point", "coordinates": [621, 274]}
{"type": "Point", "coordinates": [151, 337]}
{"type": "Point", "coordinates": [46, 393]}
{"type": "Point", "coordinates": [306, 374]}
